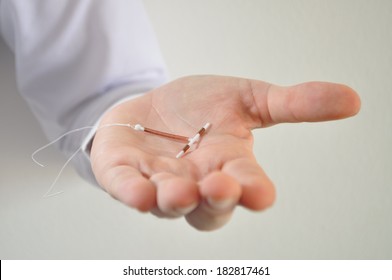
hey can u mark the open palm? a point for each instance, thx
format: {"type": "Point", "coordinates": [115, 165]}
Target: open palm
{"type": "Point", "coordinates": [141, 170]}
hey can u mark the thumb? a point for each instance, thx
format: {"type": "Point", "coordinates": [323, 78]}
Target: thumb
{"type": "Point", "coordinates": [307, 102]}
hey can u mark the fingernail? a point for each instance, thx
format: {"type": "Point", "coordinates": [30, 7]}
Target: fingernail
{"type": "Point", "coordinates": [186, 210]}
{"type": "Point", "coordinates": [221, 204]}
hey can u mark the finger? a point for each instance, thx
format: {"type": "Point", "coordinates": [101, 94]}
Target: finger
{"type": "Point", "coordinates": [129, 186]}
{"type": "Point", "coordinates": [307, 102]}
{"type": "Point", "coordinates": [220, 194]}
{"type": "Point", "coordinates": [258, 192]}
{"type": "Point", "coordinates": [145, 163]}
{"type": "Point", "coordinates": [176, 196]}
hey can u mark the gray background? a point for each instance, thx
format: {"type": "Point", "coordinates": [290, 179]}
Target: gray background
{"type": "Point", "coordinates": [333, 179]}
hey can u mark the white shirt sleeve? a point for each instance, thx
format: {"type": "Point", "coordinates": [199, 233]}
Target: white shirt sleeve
{"type": "Point", "coordinates": [75, 59]}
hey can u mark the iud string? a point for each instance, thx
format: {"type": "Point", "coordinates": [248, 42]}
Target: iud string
{"type": "Point", "coordinates": [137, 127]}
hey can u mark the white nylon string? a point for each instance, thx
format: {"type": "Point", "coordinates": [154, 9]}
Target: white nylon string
{"type": "Point", "coordinates": [33, 156]}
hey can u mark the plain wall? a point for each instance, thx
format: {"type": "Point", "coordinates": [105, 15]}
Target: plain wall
{"type": "Point", "coordinates": [333, 180]}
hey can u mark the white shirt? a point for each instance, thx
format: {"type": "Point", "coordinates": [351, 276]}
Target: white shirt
{"type": "Point", "coordinates": [76, 58]}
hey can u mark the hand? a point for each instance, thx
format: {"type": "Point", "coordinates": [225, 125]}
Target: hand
{"type": "Point", "coordinates": [205, 185]}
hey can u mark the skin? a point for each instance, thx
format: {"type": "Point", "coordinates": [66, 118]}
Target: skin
{"type": "Point", "coordinates": [207, 184]}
